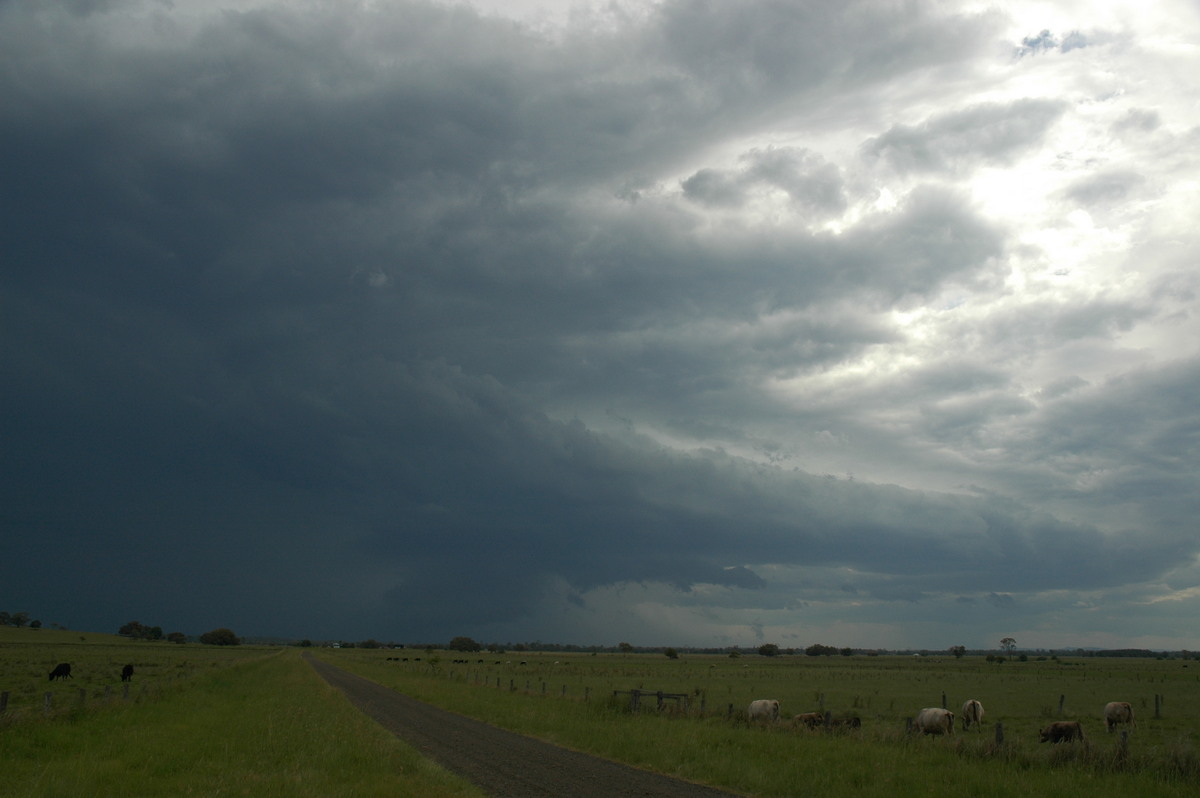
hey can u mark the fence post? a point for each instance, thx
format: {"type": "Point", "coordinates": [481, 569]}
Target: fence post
{"type": "Point", "coordinates": [125, 691]}
{"type": "Point", "coordinates": [999, 734]}
{"type": "Point", "coordinates": [587, 693]}
{"type": "Point", "coordinates": [908, 725]}
{"type": "Point", "coordinates": [943, 700]}
{"type": "Point", "coordinates": [82, 696]}
{"type": "Point", "coordinates": [1061, 699]}
{"type": "Point", "coordinates": [1157, 706]}
{"type": "Point", "coordinates": [729, 712]}
{"type": "Point", "coordinates": [46, 702]}
{"type": "Point", "coordinates": [3, 702]}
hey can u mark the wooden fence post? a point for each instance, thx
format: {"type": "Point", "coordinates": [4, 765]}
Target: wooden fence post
{"type": "Point", "coordinates": [1061, 700]}
{"type": "Point", "coordinates": [3, 702]}
{"type": "Point", "coordinates": [46, 702]}
{"type": "Point", "coordinates": [999, 734]}
{"type": "Point", "coordinates": [82, 696]}
{"type": "Point", "coordinates": [1157, 706]}
{"type": "Point", "coordinates": [943, 700]}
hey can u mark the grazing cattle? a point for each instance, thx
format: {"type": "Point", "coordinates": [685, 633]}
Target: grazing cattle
{"type": "Point", "coordinates": [1118, 712]}
{"type": "Point", "coordinates": [61, 671]}
{"type": "Point", "coordinates": [1062, 731]}
{"type": "Point", "coordinates": [935, 720]}
{"type": "Point", "coordinates": [972, 714]}
{"type": "Point", "coordinates": [845, 723]}
{"type": "Point", "coordinates": [764, 709]}
{"type": "Point", "coordinates": [126, 673]}
{"type": "Point", "coordinates": [813, 720]}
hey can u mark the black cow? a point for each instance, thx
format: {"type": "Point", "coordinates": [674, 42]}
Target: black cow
{"type": "Point", "coordinates": [126, 673]}
{"type": "Point", "coordinates": [61, 671]}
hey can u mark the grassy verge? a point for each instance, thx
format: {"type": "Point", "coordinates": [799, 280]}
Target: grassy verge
{"type": "Point", "coordinates": [265, 727]}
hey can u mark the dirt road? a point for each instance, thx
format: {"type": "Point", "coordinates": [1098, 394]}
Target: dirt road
{"type": "Point", "coordinates": [502, 763]}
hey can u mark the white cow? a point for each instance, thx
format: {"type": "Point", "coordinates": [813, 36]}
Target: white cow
{"type": "Point", "coordinates": [935, 720]}
{"type": "Point", "coordinates": [1118, 712]}
{"type": "Point", "coordinates": [764, 709]}
{"type": "Point", "coordinates": [972, 714]}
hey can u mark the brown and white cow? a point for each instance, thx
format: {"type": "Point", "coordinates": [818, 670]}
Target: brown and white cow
{"type": "Point", "coordinates": [1118, 712]}
{"type": "Point", "coordinates": [1062, 731]}
{"type": "Point", "coordinates": [972, 714]}
{"type": "Point", "coordinates": [935, 720]}
{"type": "Point", "coordinates": [764, 709]}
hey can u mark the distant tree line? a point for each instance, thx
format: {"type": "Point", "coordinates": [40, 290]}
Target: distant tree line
{"type": "Point", "coordinates": [19, 619]}
{"type": "Point", "coordinates": [140, 631]}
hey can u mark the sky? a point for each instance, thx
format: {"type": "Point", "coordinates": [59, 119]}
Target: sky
{"type": "Point", "coordinates": [679, 323]}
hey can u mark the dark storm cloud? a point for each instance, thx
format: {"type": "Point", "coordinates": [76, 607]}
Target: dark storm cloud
{"type": "Point", "coordinates": [349, 321]}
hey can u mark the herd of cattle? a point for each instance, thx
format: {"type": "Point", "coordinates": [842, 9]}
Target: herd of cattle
{"type": "Point", "coordinates": [935, 720]}
{"type": "Point", "coordinates": [931, 720]}
{"type": "Point", "coordinates": [63, 671]}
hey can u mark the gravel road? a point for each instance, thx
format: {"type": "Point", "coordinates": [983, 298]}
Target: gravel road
{"type": "Point", "coordinates": [502, 763]}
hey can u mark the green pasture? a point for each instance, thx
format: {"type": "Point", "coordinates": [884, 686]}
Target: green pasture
{"type": "Point", "coordinates": [200, 720]}
{"type": "Point", "coordinates": [569, 699]}
{"type": "Point", "coordinates": [247, 720]}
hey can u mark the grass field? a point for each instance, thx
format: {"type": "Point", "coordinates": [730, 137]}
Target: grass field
{"type": "Point", "coordinates": [201, 721]}
{"type": "Point", "coordinates": [257, 721]}
{"type": "Point", "coordinates": [545, 696]}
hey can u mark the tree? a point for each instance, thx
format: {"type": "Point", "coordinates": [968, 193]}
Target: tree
{"type": "Point", "coordinates": [768, 650]}
{"type": "Point", "coordinates": [819, 650]}
{"type": "Point", "coordinates": [958, 651]}
{"type": "Point", "coordinates": [464, 644]}
{"type": "Point", "coordinates": [177, 637]}
{"type": "Point", "coordinates": [139, 631]}
{"type": "Point", "coordinates": [1008, 644]}
{"type": "Point", "coordinates": [220, 637]}
{"type": "Point", "coordinates": [626, 648]}
{"type": "Point", "coordinates": [671, 653]}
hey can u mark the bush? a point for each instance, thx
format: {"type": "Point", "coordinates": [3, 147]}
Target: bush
{"type": "Point", "coordinates": [220, 637]}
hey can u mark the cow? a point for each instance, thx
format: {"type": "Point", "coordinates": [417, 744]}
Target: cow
{"type": "Point", "coordinates": [972, 713]}
{"type": "Point", "coordinates": [935, 720]}
{"type": "Point", "coordinates": [61, 671]}
{"type": "Point", "coordinates": [1062, 731]}
{"type": "Point", "coordinates": [126, 673]}
{"type": "Point", "coordinates": [811, 720]}
{"type": "Point", "coordinates": [845, 723]}
{"type": "Point", "coordinates": [764, 709]}
{"type": "Point", "coordinates": [1118, 712]}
